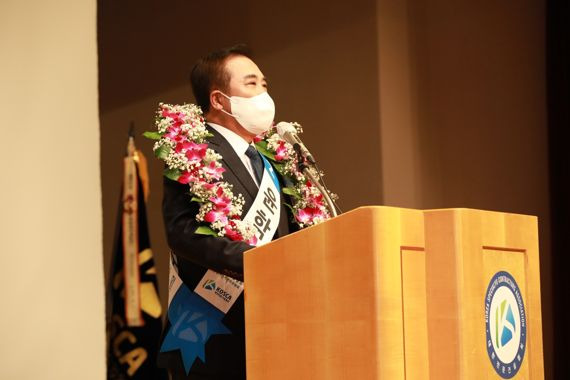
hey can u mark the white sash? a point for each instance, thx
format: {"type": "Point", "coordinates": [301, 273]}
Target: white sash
{"type": "Point", "coordinates": [266, 209]}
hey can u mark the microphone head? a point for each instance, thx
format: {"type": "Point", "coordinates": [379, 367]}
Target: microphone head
{"type": "Point", "coordinates": [283, 127]}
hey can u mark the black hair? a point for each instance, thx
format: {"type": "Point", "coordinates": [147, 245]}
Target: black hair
{"type": "Point", "coordinates": [209, 73]}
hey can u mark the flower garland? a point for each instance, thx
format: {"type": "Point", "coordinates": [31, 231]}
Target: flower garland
{"type": "Point", "coordinates": [181, 142]}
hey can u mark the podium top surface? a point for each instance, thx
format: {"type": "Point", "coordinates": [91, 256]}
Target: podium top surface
{"type": "Point", "coordinates": [388, 213]}
{"type": "Point", "coordinates": [451, 209]}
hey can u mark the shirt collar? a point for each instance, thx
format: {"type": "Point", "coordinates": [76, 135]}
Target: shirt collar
{"type": "Point", "coordinates": [236, 141]}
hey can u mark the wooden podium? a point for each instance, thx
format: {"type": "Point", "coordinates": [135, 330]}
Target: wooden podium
{"type": "Point", "coordinates": [390, 293]}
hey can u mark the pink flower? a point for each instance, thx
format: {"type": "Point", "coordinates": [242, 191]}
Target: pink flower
{"type": "Point", "coordinates": [252, 241]}
{"type": "Point", "coordinates": [210, 186]}
{"type": "Point", "coordinates": [181, 146]}
{"type": "Point", "coordinates": [315, 201]}
{"type": "Point", "coordinates": [196, 152]}
{"type": "Point", "coordinates": [318, 213]}
{"type": "Point", "coordinates": [213, 171]}
{"type": "Point", "coordinates": [215, 215]}
{"type": "Point", "coordinates": [281, 152]}
{"type": "Point", "coordinates": [220, 201]}
{"type": "Point", "coordinates": [176, 116]}
{"type": "Point", "coordinates": [232, 233]}
{"type": "Point", "coordinates": [303, 216]}
{"type": "Point", "coordinates": [186, 177]}
{"type": "Point", "coordinates": [308, 214]}
{"type": "Point", "coordinates": [180, 138]}
{"type": "Point", "coordinates": [173, 133]}
{"type": "Point", "coordinates": [221, 207]}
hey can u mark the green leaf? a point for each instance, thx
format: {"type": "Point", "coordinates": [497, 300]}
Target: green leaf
{"type": "Point", "coordinates": [205, 230]}
{"type": "Point", "coordinates": [162, 152]}
{"type": "Point", "coordinates": [196, 199]}
{"type": "Point", "coordinates": [262, 148]}
{"type": "Point", "coordinates": [279, 167]}
{"type": "Point", "coordinates": [291, 191]}
{"type": "Point", "coordinates": [152, 135]}
{"type": "Point", "coordinates": [262, 144]}
{"type": "Point", "coordinates": [172, 174]}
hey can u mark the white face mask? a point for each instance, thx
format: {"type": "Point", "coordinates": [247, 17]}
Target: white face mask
{"type": "Point", "coordinates": [255, 114]}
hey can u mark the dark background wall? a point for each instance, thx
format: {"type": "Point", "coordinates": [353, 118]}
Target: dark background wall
{"type": "Point", "coordinates": [404, 103]}
{"type": "Point", "coordinates": [317, 76]}
{"type": "Point", "coordinates": [558, 59]}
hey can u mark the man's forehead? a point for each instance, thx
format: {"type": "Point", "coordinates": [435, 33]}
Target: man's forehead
{"type": "Point", "coordinates": [241, 67]}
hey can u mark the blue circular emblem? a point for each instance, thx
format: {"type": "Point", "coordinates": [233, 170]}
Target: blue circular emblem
{"type": "Point", "coordinates": [505, 324]}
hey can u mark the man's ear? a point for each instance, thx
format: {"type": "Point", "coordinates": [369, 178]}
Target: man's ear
{"type": "Point", "coordinates": [216, 100]}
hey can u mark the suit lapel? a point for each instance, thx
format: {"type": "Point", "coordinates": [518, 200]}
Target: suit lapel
{"type": "Point", "coordinates": [231, 162]}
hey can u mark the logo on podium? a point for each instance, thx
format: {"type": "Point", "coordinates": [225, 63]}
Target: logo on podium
{"type": "Point", "coordinates": [505, 324]}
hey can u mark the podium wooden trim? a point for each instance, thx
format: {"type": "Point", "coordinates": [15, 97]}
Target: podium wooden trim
{"type": "Point", "coordinates": [388, 293]}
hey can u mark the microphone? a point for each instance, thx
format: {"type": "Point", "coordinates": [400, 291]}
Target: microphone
{"type": "Point", "coordinates": [289, 133]}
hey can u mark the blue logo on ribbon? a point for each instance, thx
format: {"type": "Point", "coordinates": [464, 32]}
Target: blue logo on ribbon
{"type": "Point", "coordinates": [193, 320]}
{"type": "Point", "coordinates": [271, 172]}
{"type": "Point", "coordinates": [210, 285]}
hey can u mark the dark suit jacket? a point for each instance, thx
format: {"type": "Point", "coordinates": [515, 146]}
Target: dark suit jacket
{"type": "Point", "coordinates": [225, 354]}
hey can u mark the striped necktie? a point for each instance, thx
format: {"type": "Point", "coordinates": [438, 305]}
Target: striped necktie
{"type": "Point", "coordinates": [256, 162]}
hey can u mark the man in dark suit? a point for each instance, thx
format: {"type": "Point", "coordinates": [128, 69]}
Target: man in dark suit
{"type": "Point", "coordinates": [200, 341]}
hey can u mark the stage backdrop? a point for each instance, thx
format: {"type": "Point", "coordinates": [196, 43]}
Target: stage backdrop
{"type": "Point", "coordinates": [51, 278]}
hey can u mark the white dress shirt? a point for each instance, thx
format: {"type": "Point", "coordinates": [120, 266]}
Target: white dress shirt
{"type": "Point", "coordinates": [239, 145]}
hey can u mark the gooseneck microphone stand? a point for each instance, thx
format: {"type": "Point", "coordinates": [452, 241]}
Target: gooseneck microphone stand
{"type": "Point", "coordinates": [305, 169]}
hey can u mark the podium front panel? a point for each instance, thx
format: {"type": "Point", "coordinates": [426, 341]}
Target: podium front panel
{"type": "Point", "coordinates": [327, 302]}
{"type": "Point", "coordinates": [390, 293]}
{"type": "Point", "coordinates": [484, 295]}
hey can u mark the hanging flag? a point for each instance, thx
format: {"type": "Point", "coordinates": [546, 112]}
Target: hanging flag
{"type": "Point", "coordinates": [134, 326]}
